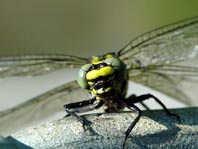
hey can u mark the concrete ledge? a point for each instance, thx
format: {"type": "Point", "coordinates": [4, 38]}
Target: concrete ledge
{"type": "Point", "coordinates": [154, 130]}
{"type": "Point", "coordinates": [11, 143]}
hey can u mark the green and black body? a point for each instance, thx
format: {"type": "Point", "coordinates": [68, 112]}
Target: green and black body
{"type": "Point", "coordinates": [154, 59]}
{"type": "Point", "coordinates": [106, 78]}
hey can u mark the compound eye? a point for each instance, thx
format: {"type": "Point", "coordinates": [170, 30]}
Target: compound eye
{"type": "Point", "coordinates": [115, 63]}
{"type": "Point", "coordinates": [118, 66]}
{"type": "Point", "coordinates": [109, 61]}
{"type": "Point", "coordinates": [81, 79]}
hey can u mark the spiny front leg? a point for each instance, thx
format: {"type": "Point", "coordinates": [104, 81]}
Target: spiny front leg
{"type": "Point", "coordinates": [83, 106]}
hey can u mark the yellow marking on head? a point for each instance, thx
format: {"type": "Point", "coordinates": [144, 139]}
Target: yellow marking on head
{"type": "Point", "coordinates": [98, 98]}
{"type": "Point", "coordinates": [100, 91]}
{"type": "Point", "coordinates": [95, 60]}
{"type": "Point", "coordinates": [108, 89]}
{"type": "Point", "coordinates": [108, 56]}
{"type": "Point", "coordinates": [93, 92]}
{"type": "Point", "coordinates": [90, 83]}
{"type": "Point", "coordinates": [100, 72]}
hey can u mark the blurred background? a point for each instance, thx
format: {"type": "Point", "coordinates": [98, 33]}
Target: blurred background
{"type": "Point", "coordinates": [74, 27]}
{"type": "Point", "coordinates": [85, 27]}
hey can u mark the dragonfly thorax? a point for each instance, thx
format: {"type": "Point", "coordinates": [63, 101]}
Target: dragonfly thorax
{"type": "Point", "coordinates": [103, 76]}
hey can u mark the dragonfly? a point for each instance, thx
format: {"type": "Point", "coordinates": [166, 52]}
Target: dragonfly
{"type": "Point", "coordinates": [157, 59]}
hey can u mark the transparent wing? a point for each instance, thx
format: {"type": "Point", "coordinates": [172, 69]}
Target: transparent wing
{"type": "Point", "coordinates": [165, 45]}
{"type": "Point", "coordinates": [178, 82]}
{"type": "Point", "coordinates": [40, 107]}
{"type": "Point", "coordinates": [158, 59]}
{"type": "Point", "coordinates": [33, 65]}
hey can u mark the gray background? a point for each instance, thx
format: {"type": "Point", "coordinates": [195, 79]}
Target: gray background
{"type": "Point", "coordinates": [85, 27]}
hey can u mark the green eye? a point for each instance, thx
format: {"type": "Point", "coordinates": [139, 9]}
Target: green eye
{"type": "Point", "coordinates": [81, 79]}
{"type": "Point", "coordinates": [117, 65]}
{"type": "Point", "coordinates": [109, 60]}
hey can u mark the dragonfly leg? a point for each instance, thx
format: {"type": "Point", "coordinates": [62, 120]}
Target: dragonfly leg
{"type": "Point", "coordinates": [82, 106]}
{"type": "Point", "coordinates": [147, 96]}
{"type": "Point", "coordinates": [133, 96]}
{"type": "Point", "coordinates": [132, 107]}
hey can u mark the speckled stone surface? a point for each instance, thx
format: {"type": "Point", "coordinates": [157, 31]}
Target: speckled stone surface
{"type": "Point", "coordinates": [154, 130]}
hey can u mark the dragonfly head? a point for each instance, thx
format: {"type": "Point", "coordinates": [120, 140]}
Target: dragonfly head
{"type": "Point", "coordinates": [102, 74]}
